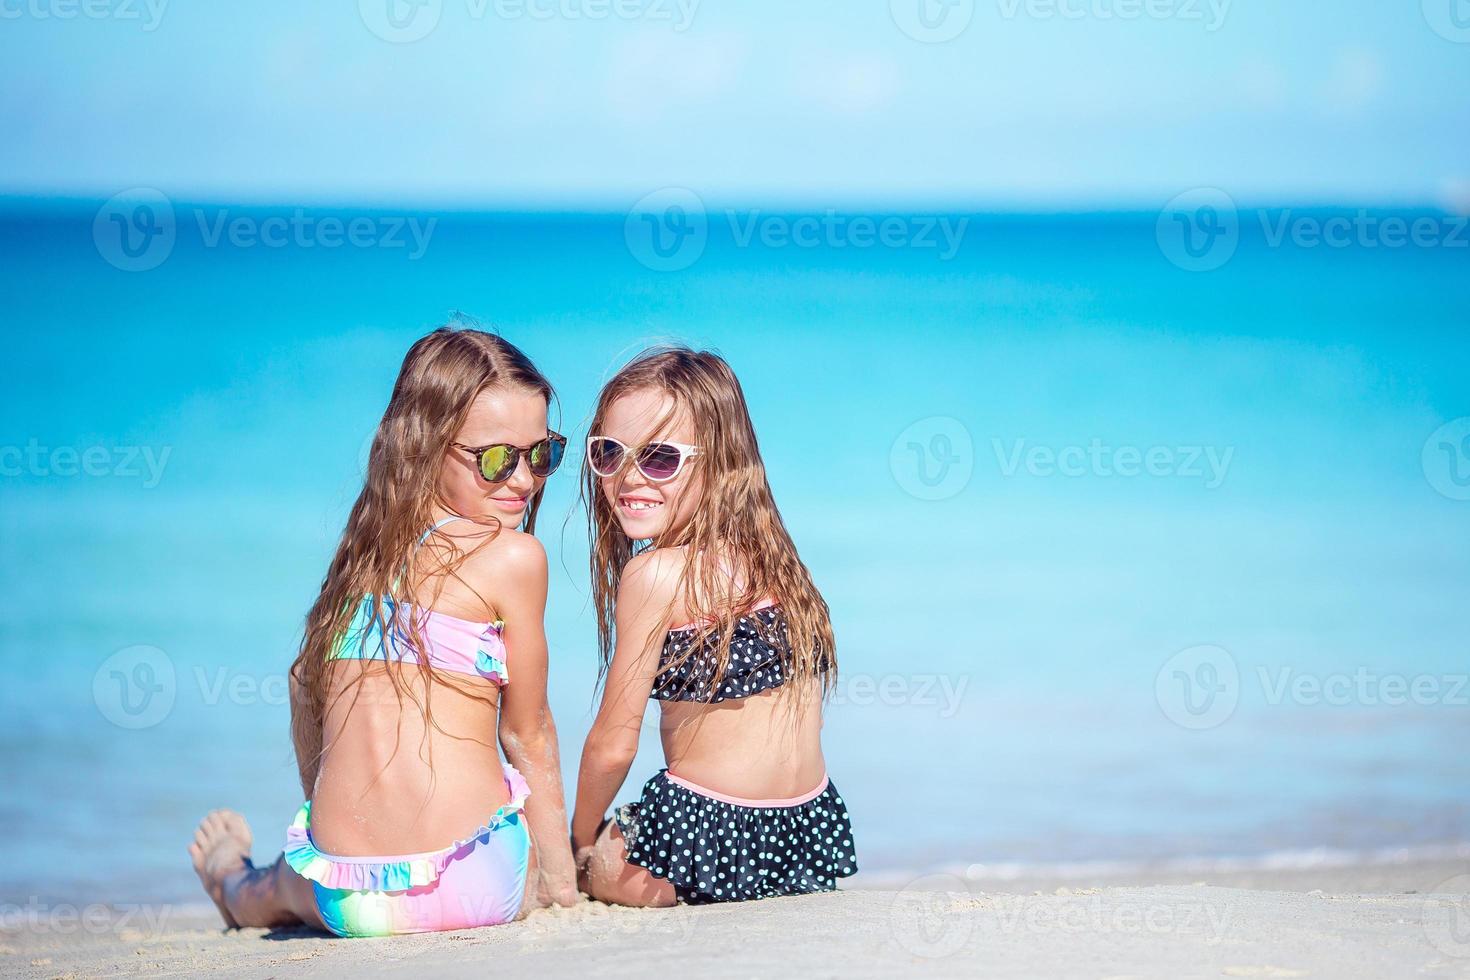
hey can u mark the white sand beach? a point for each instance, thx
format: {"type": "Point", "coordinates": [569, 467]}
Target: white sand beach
{"type": "Point", "coordinates": [1381, 920]}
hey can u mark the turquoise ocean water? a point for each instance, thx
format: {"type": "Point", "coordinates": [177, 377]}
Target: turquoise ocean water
{"type": "Point", "coordinates": [1129, 560]}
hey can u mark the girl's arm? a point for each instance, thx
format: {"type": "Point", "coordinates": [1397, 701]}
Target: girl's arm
{"type": "Point", "coordinates": [527, 731]}
{"type": "Point", "coordinates": [645, 597]}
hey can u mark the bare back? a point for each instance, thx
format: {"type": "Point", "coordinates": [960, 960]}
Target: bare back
{"type": "Point", "coordinates": [764, 746]}
{"type": "Point", "coordinates": [767, 746]}
{"type": "Point", "coordinates": [391, 780]}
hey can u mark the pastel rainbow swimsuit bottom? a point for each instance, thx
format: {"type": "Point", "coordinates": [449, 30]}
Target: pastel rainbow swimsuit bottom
{"type": "Point", "coordinates": [477, 881]}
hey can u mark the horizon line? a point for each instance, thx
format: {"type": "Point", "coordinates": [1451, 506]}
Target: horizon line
{"type": "Point", "coordinates": [20, 201]}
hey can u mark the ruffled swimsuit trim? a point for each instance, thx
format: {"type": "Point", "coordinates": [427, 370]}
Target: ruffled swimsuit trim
{"type": "Point", "coordinates": [460, 646]}
{"type": "Point", "coordinates": [396, 873]}
{"type": "Point", "coordinates": [717, 848]}
{"type": "Point", "coordinates": [756, 664]}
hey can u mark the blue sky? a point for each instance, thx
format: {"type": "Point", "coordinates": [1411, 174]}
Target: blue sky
{"type": "Point", "coordinates": [817, 102]}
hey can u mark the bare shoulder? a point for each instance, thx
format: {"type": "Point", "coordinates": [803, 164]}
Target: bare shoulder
{"type": "Point", "coordinates": [524, 552]}
{"type": "Point", "coordinates": [496, 573]}
{"type": "Point", "coordinates": [653, 574]}
{"type": "Point", "coordinates": [509, 556]}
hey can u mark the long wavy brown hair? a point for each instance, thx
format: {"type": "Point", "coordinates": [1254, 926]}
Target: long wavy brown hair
{"type": "Point", "coordinates": [739, 549]}
{"type": "Point", "coordinates": [441, 376]}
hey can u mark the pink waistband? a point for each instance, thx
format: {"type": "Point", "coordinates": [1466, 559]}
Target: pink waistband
{"type": "Point", "coordinates": [755, 804]}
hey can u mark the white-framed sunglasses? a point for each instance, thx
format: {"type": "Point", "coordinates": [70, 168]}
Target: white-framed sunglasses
{"type": "Point", "coordinates": [659, 462]}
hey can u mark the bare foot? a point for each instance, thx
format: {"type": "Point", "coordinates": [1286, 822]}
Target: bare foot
{"type": "Point", "coordinates": [221, 849]}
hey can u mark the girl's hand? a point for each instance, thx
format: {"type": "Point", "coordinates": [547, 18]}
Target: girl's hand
{"type": "Point", "coordinates": [583, 857]}
{"type": "Point", "coordinates": [583, 850]}
{"type": "Point", "coordinates": [551, 892]}
{"type": "Point", "coordinates": [579, 845]}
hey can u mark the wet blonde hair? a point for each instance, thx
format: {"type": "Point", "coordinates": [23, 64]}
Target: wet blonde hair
{"type": "Point", "coordinates": [440, 377]}
{"type": "Point", "coordinates": [739, 549]}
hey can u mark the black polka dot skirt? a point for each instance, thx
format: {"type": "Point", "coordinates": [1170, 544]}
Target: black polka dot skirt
{"type": "Point", "coordinates": [712, 850]}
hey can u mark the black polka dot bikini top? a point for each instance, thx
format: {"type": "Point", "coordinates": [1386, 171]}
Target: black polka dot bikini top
{"type": "Point", "coordinates": [756, 663]}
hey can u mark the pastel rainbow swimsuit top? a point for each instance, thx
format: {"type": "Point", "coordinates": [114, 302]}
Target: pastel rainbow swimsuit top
{"type": "Point", "coordinates": [460, 646]}
{"type": "Point", "coordinates": [760, 654]}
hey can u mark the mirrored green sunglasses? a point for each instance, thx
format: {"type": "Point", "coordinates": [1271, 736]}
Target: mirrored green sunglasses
{"type": "Point", "coordinates": [498, 462]}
